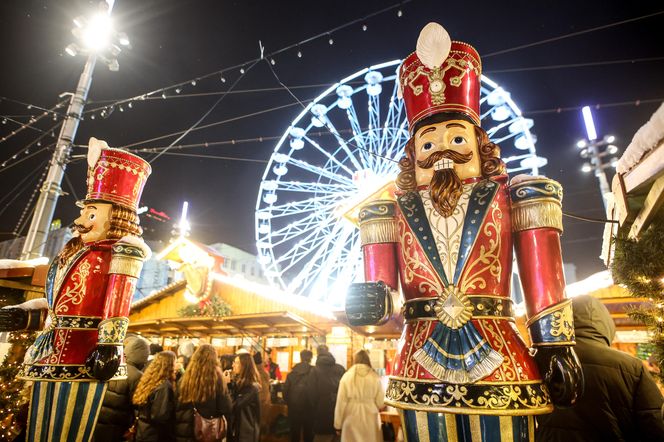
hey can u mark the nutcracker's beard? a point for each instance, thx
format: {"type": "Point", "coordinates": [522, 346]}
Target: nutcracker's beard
{"type": "Point", "coordinates": [445, 187]}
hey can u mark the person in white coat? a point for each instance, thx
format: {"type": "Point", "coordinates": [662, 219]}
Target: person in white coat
{"type": "Point", "coordinates": [359, 400]}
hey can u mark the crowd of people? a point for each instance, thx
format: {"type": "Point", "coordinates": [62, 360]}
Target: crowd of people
{"type": "Point", "coordinates": [197, 396]}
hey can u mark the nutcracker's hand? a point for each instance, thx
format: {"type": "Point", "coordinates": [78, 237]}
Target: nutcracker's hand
{"type": "Point", "coordinates": [13, 318]}
{"type": "Point", "coordinates": [368, 303]}
{"type": "Point", "coordinates": [562, 374]}
{"type": "Point", "coordinates": [104, 361]}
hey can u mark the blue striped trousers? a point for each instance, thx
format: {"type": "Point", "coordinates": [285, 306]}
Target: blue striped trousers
{"type": "Point", "coordinates": [64, 411]}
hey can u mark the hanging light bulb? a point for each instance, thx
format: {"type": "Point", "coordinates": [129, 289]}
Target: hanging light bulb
{"type": "Point", "coordinates": [330, 41]}
{"type": "Point", "coordinates": [130, 104]}
{"type": "Point", "coordinates": [223, 79]}
{"type": "Point", "coordinates": [299, 54]}
{"type": "Point", "coordinates": [178, 90]}
{"type": "Point", "coordinates": [272, 62]}
{"type": "Point", "coordinates": [92, 117]}
{"type": "Point", "coordinates": [163, 95]}
{"type": "Point", "coordinates": [193, 82]}
{"type": "Point", "coordinates": [242, 70]}
{"type": "Point", "coordinates": [399, 13]}
{"type": "Point", "coordinates": [364, 27]}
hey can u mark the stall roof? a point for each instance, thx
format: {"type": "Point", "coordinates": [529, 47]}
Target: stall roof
{"type": "Point", "coordinates": [260, 324]}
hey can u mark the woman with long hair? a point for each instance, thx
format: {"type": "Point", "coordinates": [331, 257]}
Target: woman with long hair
{"type": "Point", "coordinates": [154, 399]}
{"type": "Point", "coordinates": [245, 388]}
{"type": "Point", "coordinates": [359, 401]}
{"type": "Point", "coordinates": [201, 389]}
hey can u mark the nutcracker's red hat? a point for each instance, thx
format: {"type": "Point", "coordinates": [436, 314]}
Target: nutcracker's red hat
{"type": "Point", "coordinates": [116, 176]}
{"type": "Point", "coordinates": [440, 76]}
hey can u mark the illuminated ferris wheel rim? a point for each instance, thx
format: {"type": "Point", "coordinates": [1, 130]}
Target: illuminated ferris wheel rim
{"type": "Point", "coordinates": [334, 183]}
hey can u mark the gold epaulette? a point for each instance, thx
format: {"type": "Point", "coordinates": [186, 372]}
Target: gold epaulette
{"type": "Point", "coordinates": [536, 203]}
{"type": "Point", "coordinates": [378, 222]}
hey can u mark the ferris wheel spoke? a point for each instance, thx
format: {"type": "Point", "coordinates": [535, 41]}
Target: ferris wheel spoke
{"type": "Point", "coordinates": [305, 205]}
{"type": "Point", "coordinates": [320, 252]}
{"type": "Point", "coordinates": [294, 230]}
{"type": "Point", "coordinates": [358, 134]}
{"type": "Point", "coordinates": [343, 144]}
{"type": "Point", "coordinates": [299, 186]}
{"type": "Point", "coordinates": [331, 158]}
{"type": "Point", "coordinates": [316, 170]}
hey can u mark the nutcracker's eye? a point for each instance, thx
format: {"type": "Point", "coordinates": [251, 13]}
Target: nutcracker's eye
{"type": "Point", "coordinates": [91, 216]}
{"type": "Point", "coordinates": [427, 146]}
{"type": "Point", "coordinates": [458, 140]}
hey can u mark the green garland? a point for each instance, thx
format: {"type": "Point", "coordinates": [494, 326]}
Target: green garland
{"type": "Point", "coordinates": [639, 265]}
{"type": "Point", "coordinates": [13, 397]}
{"type": "Point", "coordinates": [216, 307]}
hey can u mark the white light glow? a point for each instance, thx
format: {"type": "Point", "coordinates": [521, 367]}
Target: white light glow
{"type": "Point", "coordinates": [586, 167]}
{"type": "Point", "coordinates": [581, 144]}
{"type": "Point", "coordinates": [590, 124]}
{"type": "Point", "coordinates": [610, 139]}
{"type": "Point", "coordinates": [275, 294]}
{"type": "Point", "coordinates": [97, 32]}
{"type": "Point", "coordinates": [594, 282]}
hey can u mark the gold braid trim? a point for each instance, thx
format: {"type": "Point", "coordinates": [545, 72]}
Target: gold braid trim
{"type": "Point", "coordinates": [126, 265]}
{"type": "Point", "coordinates": [536, 214]}
{"type": "Point", "coordinates": [378, 231]}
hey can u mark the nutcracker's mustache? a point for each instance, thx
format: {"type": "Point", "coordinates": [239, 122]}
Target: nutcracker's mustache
{"type": "Point", "coordinates": [453, 155]}
{"type": "Point", "coordinates": [82, 229]}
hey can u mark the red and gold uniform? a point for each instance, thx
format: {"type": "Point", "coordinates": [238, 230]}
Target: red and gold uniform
{"type": "Point", "coordinates": [462, 371]}
{"type": "Point", "coordinates": [88, 295]}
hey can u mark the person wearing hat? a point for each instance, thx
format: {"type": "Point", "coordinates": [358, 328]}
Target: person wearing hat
{"type": "Point", "coordinates": [462, 372]}
{"type": "Point", "coordinates": [84, 316]}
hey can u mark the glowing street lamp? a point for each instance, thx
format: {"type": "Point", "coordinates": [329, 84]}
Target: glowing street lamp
{"type": "Point", "coordinates": [96, 39]}
{"type": "Point", "coordinates": [597, 150]}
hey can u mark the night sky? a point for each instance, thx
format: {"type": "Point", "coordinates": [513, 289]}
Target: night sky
{"type": "Point", "coordinates": [174, 41]}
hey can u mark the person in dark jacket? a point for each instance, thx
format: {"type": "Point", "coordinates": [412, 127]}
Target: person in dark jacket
{"type": "Point", "coordinates": [117, 412]}
{"type": "Point", "coordinates": [202, 386]}
{"type": "Point", "coordinates": [322, 387]}
{"type": "Point", "coordinates": [154, 400]}
{"type": "Point", "coordinates": [245, 387]}
{"type": "Point", "coordinates": [295, 393]}
{"type": "Point", "coordinates": [621, 401]}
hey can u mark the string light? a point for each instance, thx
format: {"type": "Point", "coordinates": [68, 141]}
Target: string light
{"type": "Point", "coordinates": [242, 70]}
{"type": "Point", "coordinates": [272, 62]}
{"type": "Point", "coordinates": [399, 13]}
{"type": "Point", "coordinates": [364, 27]}
{"type": "Point", "coordinates": [223, 79]}
{"type": "Point", "coordinates": [299, 54]}
{"type": "Point", "coordinates": [193, 82]}
{"type": "Point", "coordinates": [178, 90]}
{"type": "Point", "coordinates": [330, 41]}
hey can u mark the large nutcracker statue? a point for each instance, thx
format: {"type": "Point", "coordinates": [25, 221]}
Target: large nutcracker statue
{"type": "Point", "coordinates": [462, 371]}
{"type": "Point", "coordinates": [84, 316]}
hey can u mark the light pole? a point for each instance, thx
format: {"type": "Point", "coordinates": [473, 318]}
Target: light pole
{"type": "Point", "coordinates": [97, 41]}
{"type": "Point", "coordinates": [599, 152]}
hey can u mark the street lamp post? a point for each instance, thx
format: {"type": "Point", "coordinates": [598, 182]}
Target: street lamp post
{"type": "Point", "coordinates": [599, 152]}
{"type": "Point", "coordinates": [98, 42]}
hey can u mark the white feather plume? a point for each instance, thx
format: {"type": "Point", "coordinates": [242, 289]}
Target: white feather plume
{"type": "Point", "coordinates": [95, 147]}
{"type": "Point", "coordinates": [433, 45]}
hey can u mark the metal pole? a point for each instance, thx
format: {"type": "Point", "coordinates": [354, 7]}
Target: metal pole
{"type": "Point", "coordinates": [596, 159]}
{"type": "Point", "coordinates": [51, 190]}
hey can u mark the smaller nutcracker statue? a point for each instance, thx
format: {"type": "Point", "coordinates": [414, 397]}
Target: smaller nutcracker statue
{"type": "Point", "coordinates": [462, 371]}
{"type": "Point", "coordinates": [84, 316]}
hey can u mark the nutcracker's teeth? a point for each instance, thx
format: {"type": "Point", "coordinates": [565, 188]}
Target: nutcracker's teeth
{"type": "Point", "coordinates": [445, 163]}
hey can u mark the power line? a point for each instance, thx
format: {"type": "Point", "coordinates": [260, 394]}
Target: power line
{"type": "Point", "coordinates": [205, 115]}
{"type": "Point", "coordinates": [32, 106]}
{"type": "Point", "coordinates": [558, 110]}
{"type": "Point", "coordinates": [229, 120]}
{"type": "Point", "coordinates": [575, 65]}
{"type": "Point", "coordinates": [242, 65]}
{"type": "Point", "coordinates": [213, 157]}
{"type": "Point", "coordinates": [572, 34]}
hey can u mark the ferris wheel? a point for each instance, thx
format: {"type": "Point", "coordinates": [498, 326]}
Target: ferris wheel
{"type": "Point", "coordinates": [343, 147]}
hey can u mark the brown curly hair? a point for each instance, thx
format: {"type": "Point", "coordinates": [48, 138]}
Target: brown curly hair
{"type": "Point", "coordinates": [490, 162]}
{"type": "Point", "coordinates": [159, 370]}
{"type": "Point", "coordinates": [199, 381]}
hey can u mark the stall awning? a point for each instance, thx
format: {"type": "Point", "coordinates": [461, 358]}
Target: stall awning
{"type": "Point", "coordinates": [259, 324]}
